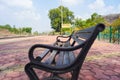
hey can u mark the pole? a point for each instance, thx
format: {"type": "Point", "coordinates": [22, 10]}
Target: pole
{"type": "Point", "coordinates": [118, 34]}
{"type": "Point", "coordinates": [61, 17]}
{"type": "Point", "coordinates": [99, 36]}
{"type": "Point", "coordinates": [110, 37]}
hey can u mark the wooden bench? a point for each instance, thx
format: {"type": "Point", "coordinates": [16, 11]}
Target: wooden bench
{"type": "Point", "coordinates": [61, 57]}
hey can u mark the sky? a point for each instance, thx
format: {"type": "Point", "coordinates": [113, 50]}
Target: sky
{"type": "Point", "coordinates": [34, 13]}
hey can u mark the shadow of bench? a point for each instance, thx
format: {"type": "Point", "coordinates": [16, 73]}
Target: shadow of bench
{"type": "Point", "coordinates": [61, 57]}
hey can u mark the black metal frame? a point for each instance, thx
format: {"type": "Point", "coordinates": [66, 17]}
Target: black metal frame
{"type": "Point", "coordinates": [74, 67]}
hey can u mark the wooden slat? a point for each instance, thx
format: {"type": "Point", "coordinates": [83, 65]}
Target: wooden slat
{"type": "Point", "coordinates": [66, 54]}
{"type": "Point", "coordinates": [42, 55]}
{"type": "Point", "coordinates": [71, 56]}
{"type": "Point", "coordinates": [62, 55]}
{"type": "Point", "coordinates": [88, 30]}
{"type": "Point", "coordinates": [84, 35]}
{"type": "Point", "coordinates": [76, 39]}
{"type": "Point", "coordinates": [66, 58]}
{"type": "Point", "coordinates": [60, 58]}
{"type": "Point", "coordinates": [51, 57]}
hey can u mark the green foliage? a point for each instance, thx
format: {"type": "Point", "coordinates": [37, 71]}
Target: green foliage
{"type": "Point", "coordinates": [7, 26]}
{"type": "Point", "coordinates": [35, 33]}
{"type": "Point", "coordinates": [15, 30]}
{"type": "Point", "coordinates": [111, 33]}
{"type": "Point", "coordinates": [79, 23]}
{"type": "Point", "coordinates": [56, 17]}
{"type": "Point", "coordinates": [66, 31]}
{"type": "Point", "coordinates": [113, 30]}
{"type": "Point", "coordinates": [68, 17]}
{"type": "Point", "coordinates": [27, 29]}
{"type": "Point", "coordinates": [116, 23]}
{"type": "Point", "coordinates": [93, 20]}
{"type": "Point", "coordinates": [24, 30]}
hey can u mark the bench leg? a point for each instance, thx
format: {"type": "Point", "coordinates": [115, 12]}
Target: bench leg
{"type": "Point", "coordinates": [75, 73]}
{"type": "Point", "coordinates": [54, 77]}
{"type": "Point", "coordinates": [30, 72]}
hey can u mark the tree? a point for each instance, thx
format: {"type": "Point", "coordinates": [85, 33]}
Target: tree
{"type": "Point", "coordinates": [115, 28]}
{"type": "Point", "coordinates": [92, 21]}
{"type": "Point", "coordinates": [27, 29]}
{"type": "Point", "coordinates": [35, 33]}
{"type": "Point", "coordinates": [79, 23]}
{"type": "Point", "coordinates": [116, 23]}
{"type": "Point", "coordinates": [56, 17]}
{"type": "Point", "coordinates": [95, 19]}
{"type": "Point", "coordinates": [7, 26]}
{"type": "Point", "coordinates": [15, 30]}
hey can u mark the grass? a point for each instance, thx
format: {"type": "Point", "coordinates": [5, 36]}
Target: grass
{"type": "Point", "coordinates": [103, 56]}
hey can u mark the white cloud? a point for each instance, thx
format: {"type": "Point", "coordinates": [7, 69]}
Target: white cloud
{"type": "Point", "coordinates": [20, 12]}
{"type": "Point", "coordinates": [78, 16]}
{"type": "Point", "coordinates": [119, 7]}
{"type": "Point", "coordinates": [83, 16]}
{"type": "Point", "coordinates": [2, 7]}
{"type": "Point", "coordinates": [22, 9]}
{"type": "Point", "coordinates": [100, 7]}
{"type": "Point", "coordinates": [98, 4]}
{"type": "Point", "coordinates": [71, 2]}
{"type": "Point", "coordinates": [28, 18]}
{"type": "Point", "coordinates": [27, 15]}
{"type": "Point", "coordinates": [18, 3]}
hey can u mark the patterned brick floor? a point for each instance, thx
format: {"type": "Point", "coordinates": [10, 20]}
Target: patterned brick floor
{"type": "Point", "coordinates": [102, 62]}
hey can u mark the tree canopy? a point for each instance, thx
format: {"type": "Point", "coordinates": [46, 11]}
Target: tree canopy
{"type": "Point", "coordinates": [17, 30]}
{"type": "Point", "coordinates": [93, 20]}
{"type": "Point", "coordinates": [56, 16]}
{"type": "Point", "coordinates": [116, 23]}
{"type": "Point", "coordinates": [79, 23]}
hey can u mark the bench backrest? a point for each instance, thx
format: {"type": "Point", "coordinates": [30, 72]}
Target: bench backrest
{"type": "Point", "coordinates": [85, 38]}
{"type": "Point", "coordinates": [82, 36]}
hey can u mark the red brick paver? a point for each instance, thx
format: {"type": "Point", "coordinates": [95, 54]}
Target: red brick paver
{"type": "Point", "coordinates": [102, 62]}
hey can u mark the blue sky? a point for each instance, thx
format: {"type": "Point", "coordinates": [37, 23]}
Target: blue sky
{"type": "Point", "coordinates": [34, 13]}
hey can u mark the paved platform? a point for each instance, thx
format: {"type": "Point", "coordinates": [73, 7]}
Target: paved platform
{"type": "Point", "coordinates": [102, 62]}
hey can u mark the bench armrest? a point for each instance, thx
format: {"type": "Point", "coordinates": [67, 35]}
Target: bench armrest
{"type": "Point", "coordinates": [51, 47]}
{"type": "Point", "coordinates": [48, 67]}
{"type": "Point", "coordinates": [62, 36]}
{"type": "Point", "coordinates": [59, 38]}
